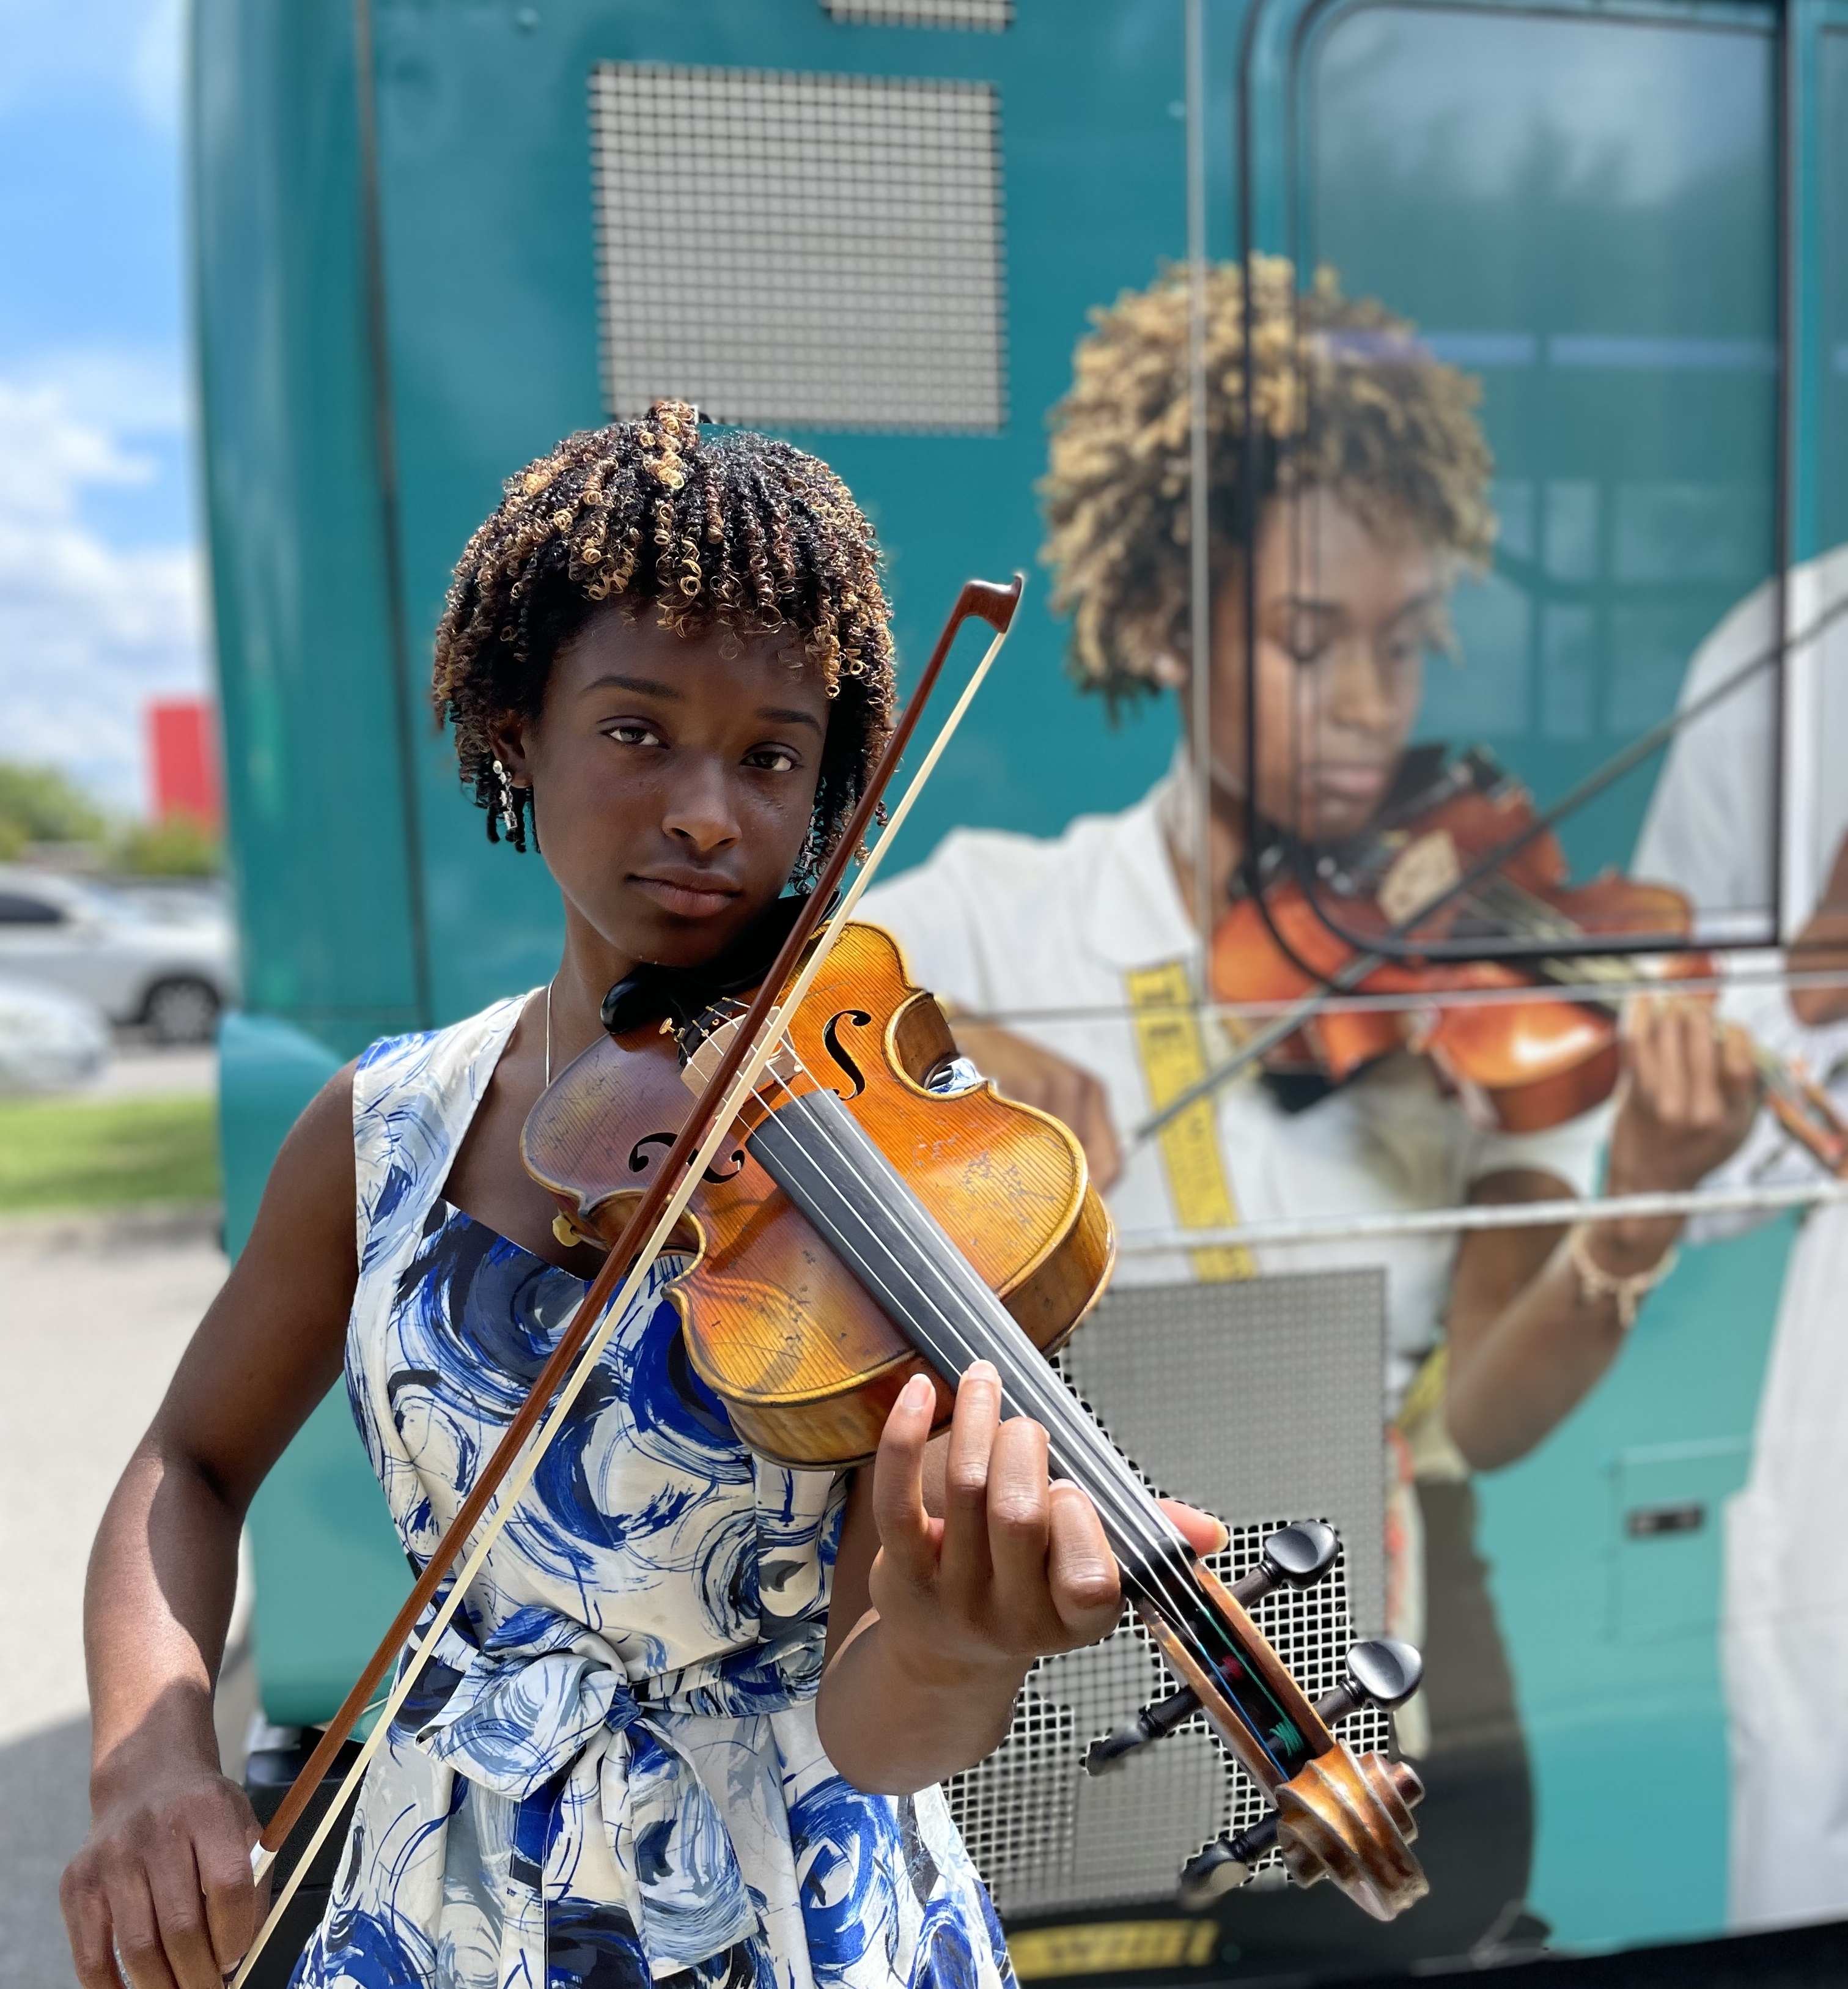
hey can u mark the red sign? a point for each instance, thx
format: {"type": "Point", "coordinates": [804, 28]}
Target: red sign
{"type": "Point", "coordinates": [182, 740]}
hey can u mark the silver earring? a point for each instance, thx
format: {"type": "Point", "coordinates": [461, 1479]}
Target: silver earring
{"type": "Point", "coordinates": [509, 808]}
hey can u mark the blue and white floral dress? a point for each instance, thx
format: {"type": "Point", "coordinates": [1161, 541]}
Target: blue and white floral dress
{"type": "Point", "coordinates": [609, 1773]}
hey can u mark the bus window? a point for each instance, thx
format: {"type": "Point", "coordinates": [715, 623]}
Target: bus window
{"type": "Point", "coordinates": [1581, 214]}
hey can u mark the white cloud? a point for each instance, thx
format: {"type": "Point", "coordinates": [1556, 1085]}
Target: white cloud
{"type": "Point", "coordinates": [156, 65]}
{"type": "Point", "coordinates": [130, 49]}
{"type": "Point", "coordinates": [89, 631]}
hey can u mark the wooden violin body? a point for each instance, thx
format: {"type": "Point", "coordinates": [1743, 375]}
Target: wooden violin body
{"type": "Point", "coordinates": [1519, 1066]}
{"type": "Point", "coordinates": [806, 1361]}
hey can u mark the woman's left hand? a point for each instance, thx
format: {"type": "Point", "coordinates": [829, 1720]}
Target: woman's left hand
{"type": "Point", "coordinates": [1016, 1567]}
{"type": "Point", "coordinates": [1690, 1094]}
{"type": "Point", "coordinates": [1526, 1343]}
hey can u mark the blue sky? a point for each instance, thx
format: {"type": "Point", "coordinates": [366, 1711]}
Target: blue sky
{"type": "Point", "coordinates": [101, 593]}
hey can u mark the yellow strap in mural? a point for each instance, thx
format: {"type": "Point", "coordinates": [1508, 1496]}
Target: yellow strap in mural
{"type": "Point", "coordinates": [1173, 1054]}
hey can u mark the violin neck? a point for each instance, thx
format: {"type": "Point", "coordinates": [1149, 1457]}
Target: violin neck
{"type": "Point", "coordinates": [816, 1152]}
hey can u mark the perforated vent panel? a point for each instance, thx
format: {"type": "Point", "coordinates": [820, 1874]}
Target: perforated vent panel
{"type": "Point", "coordinates": [990, 14]}
{"type": "Point", "coordinates": [1249, 1399]}
{"type": "Point", "coordinates": [804, 251]}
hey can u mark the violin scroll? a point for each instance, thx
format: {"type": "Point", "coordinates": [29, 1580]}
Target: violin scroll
{"type": "Point", "coordinates": [1337, 1816]}
{"type": "Point", "coordinates": [1350, 1820]}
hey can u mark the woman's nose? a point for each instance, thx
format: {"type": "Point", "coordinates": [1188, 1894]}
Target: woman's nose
{"type": "Point", "coordinates": [702, 815]}
{"type": "Point", "coordinates": [1359, 690]}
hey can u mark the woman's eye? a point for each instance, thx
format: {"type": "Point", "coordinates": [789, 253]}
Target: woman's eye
{"type": "Point", "coordinates": [771, 760]}
{"type": "Point", "coordinates": [635, 735]}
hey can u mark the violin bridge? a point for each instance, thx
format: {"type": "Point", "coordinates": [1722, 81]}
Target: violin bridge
{"type": "Point", "coordinates": [1422, 872]}
{"type": "Point", "coordinates": [696, 1072]}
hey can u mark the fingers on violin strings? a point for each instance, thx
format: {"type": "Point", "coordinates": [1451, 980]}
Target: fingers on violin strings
{"type": "Point", "coordinates": [1738, 1067]}
{"type": "Point", "coordinates": [1701, 1053]}
{"type": "Point", "coordinates": [1667, 1065]}
{"type": "Point", "coordinates": [1019, 1512]}
{"type": "Point", "coordinates": [907, 1536]}
{"type": "Point", "coordinates": [964, 1568]}
{"type": "Point", "coordinates": [1081, 1571]}
{"type": "Point", "coordinates": [1203, 1533]}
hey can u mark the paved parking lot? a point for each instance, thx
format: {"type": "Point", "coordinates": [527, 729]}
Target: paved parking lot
{"type": "Point", "coordinates": [93, 1318]}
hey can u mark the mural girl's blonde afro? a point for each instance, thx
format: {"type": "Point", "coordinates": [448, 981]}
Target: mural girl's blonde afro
{"type": "Point", "coordinates": [1343, 399]}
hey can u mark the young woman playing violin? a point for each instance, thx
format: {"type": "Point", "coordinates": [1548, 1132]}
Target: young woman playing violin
{"type": "Point", "coordinates": [1367, 475]}
{"type": "Point", "coordinates": [689, 1724]}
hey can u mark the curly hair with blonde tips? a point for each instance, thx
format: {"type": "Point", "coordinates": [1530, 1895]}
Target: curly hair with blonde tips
{"type": "Point", "coordinates": [711, 528]}
{"type": "Point", "coordinates": [1342, 398]}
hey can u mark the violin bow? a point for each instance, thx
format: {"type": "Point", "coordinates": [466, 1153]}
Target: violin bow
{"type": "Point", "coordinates": [515, 1460]}
{"type": "Point", "coordinates": [1346, 979]}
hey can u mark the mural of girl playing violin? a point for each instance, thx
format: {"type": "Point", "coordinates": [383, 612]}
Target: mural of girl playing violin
{"type": "Point", "coordinates": [1363, 479]}
{"type": "Point", "coordinates": [689, 1724]}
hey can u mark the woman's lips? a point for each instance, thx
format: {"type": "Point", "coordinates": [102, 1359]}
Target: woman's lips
{"type": "Point", "coordinates": [686, 901]}
{"type": "Point", "coordinates": [1354, 780]}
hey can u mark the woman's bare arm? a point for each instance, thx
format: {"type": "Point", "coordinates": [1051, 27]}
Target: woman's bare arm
{"type": "Point", "coordinates": [1525, 1346]}
{"type": "Point", "coordinates": [165, 1872]}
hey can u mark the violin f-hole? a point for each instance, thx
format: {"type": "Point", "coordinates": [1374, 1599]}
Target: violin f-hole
{"type": "Point", "coordinates": [638, 1159]}
{"type": "Point", "coordinates": [841, 1056]}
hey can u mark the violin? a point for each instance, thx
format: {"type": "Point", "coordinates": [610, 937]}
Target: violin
{"type": "Point", "coordinates": [1302, 920]}
{"type": "Point", "coordinates": [879, 1210]}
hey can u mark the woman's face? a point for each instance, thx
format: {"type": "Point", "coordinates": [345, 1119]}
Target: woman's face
{"type": "Point", "coordinates": [1344, 619]}
{"type": "Point", "coordinates": [672, 784]}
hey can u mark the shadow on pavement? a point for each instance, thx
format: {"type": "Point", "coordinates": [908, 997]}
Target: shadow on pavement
{"type": "Point", "coordinates": [44, 1812]}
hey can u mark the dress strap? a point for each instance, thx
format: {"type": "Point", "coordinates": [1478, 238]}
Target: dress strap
{"type": "Point", "coordinates": [413, 1099]}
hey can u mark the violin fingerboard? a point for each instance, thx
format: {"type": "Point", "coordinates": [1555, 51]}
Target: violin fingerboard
{"type": "Point", "coordinates": [1223, 1386]}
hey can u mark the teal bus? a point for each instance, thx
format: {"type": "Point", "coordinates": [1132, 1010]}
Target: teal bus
{"type": "Point", "coordinates": [433, 236]}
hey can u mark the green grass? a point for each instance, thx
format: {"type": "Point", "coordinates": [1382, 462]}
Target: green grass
{"type": "Point", "coordinates": [57, 1155]}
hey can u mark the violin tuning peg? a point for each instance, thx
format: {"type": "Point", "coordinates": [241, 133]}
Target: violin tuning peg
{"type": "Point", "coordinates": [1154, 1723]}
{"type": "Point", "coordinates": [1298, 1556]}
{"type": "Point", "coordinates": [1224, 1866]}
{"type": "Point", "coordinates": [1383, 1672]}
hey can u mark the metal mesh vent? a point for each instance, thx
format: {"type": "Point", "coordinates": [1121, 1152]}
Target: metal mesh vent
{"type": "Point", "coordinates": [1209, 1387]}
{"type": "Point", "coordinates": [992, 14]}
{"type": "Point", "coordinates": [803, 251]}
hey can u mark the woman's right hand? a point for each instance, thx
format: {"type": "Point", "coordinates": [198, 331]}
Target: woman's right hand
{"type": "Point", "coordinates": [164, 1881]}
{"type": "Point", "coordinates": [1038, 1077]}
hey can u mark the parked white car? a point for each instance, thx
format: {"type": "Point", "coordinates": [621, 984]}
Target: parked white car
{"type": "Point", "coordinates": [49, 1042]}
{"type": "Point", "coordinates": [169, 963]}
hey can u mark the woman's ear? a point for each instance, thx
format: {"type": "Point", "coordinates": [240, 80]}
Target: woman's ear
{"type": "Point", "coordinates": [508, 739]}
{"type": "Point", "coordinates": [1167, 670]}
